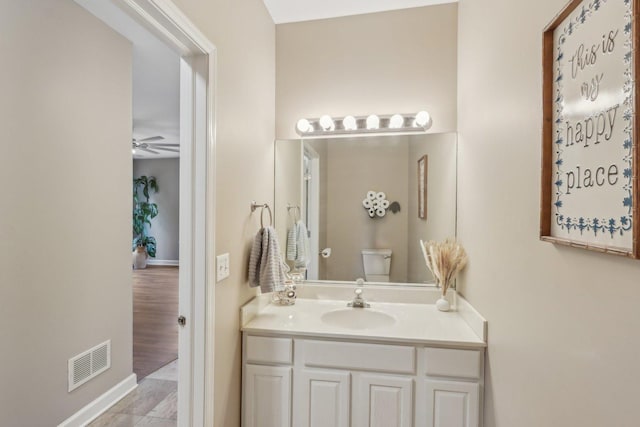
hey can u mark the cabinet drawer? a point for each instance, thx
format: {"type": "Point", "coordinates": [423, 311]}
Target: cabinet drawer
{"type": "Point", "coordinates": [444, 362]}
{"type": "Point", "coordinates": [268, 350]}
{"type": "Point", "coordinates": [367, 357]}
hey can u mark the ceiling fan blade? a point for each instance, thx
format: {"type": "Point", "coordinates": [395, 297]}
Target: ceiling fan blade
{"type": "Point", "coordinates": [156, 144]}
{"type": "Point", "coordinates": [151, 138]}
{"type": "Point", "coordinates": [147, 150]}
{"type": "Point", "coordinates": [175, 150]}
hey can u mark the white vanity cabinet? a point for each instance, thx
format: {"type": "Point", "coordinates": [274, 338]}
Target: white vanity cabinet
{"type": "Point", "coordinates": [452, 403]}
{"type": "Point", "coordinates": [267, 396]}
{"type": "Point", "coordinates": [267, 389]}
{"type": "Point", "coordinates": [322, 398]}
{"type": "Point", "coordinates": [339, 383]}
{"type": "Point", "coordinates": [452, 384]}
{"type": "Point", "coordinates": [383, 400]}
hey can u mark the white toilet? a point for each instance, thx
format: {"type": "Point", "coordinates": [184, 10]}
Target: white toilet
{"type": "Point", "coordinates": [377, 264]}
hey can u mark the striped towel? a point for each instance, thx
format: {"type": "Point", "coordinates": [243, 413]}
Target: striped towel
{"type": "Point", "coordinates": [302, 258]}
{"type": "Point", "coordinates": [292, 241]}
{"type": "Point", "coordinates": [265, 262]}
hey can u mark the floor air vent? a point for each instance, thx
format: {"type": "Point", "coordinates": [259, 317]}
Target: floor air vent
{"type": "Point", "coordinates": [89, 364]}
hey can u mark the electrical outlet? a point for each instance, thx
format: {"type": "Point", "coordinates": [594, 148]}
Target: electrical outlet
{"type": "Point", "coordinates": [222, 267]}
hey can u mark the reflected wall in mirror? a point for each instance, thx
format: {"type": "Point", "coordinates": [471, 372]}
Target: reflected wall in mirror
{"type": "Point", "coordinates": [322, 184]}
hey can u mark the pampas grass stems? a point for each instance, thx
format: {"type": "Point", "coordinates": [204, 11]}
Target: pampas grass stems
{"type": "Point", "coordinates": [445, 260]}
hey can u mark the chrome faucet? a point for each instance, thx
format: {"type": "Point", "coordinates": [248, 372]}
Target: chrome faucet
{"type": "Point", "coordinates": [358, 301]}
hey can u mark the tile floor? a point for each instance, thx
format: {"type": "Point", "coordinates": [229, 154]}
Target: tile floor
{"type": "Point", "coordinates": [152, 404]}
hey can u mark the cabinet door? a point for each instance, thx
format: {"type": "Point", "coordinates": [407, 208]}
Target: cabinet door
{"type": "Point", "coordinates": [267, 396]}
{"type": "Point", "coordinates": [321, 398]}
{"type": "Point", "coordinates": [383, 401]}
{"type": "Point", "coordinates": [452, 404]}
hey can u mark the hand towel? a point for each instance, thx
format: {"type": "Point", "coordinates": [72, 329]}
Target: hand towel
{"type": "Point", "coordinates": [292, 239]}
{"type": "Point", "coordinates": [265, 262]}
{"type": "Point", "coordinates": [302, 259]}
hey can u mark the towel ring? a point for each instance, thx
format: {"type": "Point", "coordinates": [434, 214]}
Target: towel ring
{"type": "Point", "coordinates": [255, 206]}
{"type": "Point", "coordinates": [298, 216]}
{"type": "Point", "coordinates": [270, 215]}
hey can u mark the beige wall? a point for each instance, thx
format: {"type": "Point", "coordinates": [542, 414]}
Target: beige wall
{"type": "Point", "coordinates": [441, 198]}
{"type": "Point", "coordinates": [352, 170]}
{"type": "Point", "coordinates": [401, 61]}
{"type": "Point", "coordinates": [563, 322]}
{"type": "Point", "coordinates": [244, 35]}
{"type": "Point", "coordinates": [65, 214]}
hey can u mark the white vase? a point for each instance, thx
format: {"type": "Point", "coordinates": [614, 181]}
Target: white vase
{"type": "Point", "coordinates": [140, 257]}
{"type": "Point", "coordinates": [442, 304]}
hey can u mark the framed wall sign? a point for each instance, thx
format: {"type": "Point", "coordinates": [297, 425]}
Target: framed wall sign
{"type": "Point", "coordinates": [590, 127]}
{"type": "Point", "coordinates": [422, 187]}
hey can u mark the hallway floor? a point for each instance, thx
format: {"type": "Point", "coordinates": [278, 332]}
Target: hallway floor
{"type": "Point", "coordinates": [155, 318]}
{"type": "Point", "coordinates": [154, 403]}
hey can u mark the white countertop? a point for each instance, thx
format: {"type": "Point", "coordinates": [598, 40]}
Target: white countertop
{"type": "Point", "coordinates": [414, 323]}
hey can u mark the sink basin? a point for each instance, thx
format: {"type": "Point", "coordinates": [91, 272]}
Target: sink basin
{"type": "Point", "coordinates": [357, 318]}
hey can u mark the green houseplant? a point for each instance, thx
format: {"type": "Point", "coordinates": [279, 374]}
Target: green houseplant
{"type": "Point", "coordinates": [143, 212]}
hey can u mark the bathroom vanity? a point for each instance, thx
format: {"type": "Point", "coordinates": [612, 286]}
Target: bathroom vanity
{"type": "Point", "coordinates": [397, 363]}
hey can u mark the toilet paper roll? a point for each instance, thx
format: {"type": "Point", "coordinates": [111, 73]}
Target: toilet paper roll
{"type": "Point", "coordinates": [381, 212]}
{"type": "Point", "coordinates": [381, 196]}
{"type": "Point", "coordinates": [371, 195]}
{"type": "Point", "coordinates": [367, 203]}
{"type": "Point", "coordinates": [372, 212]}
{"type": "Point", "coordinates": [375, 204]}
{"type": "Point", "coordinates": [384, 204]}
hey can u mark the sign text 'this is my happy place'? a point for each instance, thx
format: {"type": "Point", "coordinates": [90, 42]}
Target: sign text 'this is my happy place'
{"type": "Point", "coordinates": [597, 128]}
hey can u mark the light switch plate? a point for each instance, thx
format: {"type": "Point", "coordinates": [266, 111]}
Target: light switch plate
{"type": "Point", "coordinates": [222, 267]}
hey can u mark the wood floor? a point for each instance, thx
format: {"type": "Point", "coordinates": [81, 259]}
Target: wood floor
{"type": "Point", "coordinates": [155, 314]}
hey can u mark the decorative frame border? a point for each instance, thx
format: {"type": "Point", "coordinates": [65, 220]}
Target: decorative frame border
{"type": "Point", "coordinates": [423, 165]}
{"type": "Point", "coordinates": [551, 194]}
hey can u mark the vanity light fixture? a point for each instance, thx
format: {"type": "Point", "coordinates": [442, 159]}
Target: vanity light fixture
{"type": "Point", "coordinates": [373, 122]}
{"type": "Point", "coordinates": [422, 119]}
{"type": "Point", "coordinates": [326, 123]}
{"type": "Point", "coordinates": [396, 123]}
{"type": "Point", "coordinates": [349, 123]}
{"type": "Point", "coordinates": [303, 126]}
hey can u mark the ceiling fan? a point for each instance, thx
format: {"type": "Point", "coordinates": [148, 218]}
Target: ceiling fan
{"type": "Point", "coordinates": [150, 146]}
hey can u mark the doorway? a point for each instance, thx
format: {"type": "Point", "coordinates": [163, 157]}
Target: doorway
{"type": "Point", "coordinates": [197, 197]}
{"type": "Point", "coordinates": [311, 207]}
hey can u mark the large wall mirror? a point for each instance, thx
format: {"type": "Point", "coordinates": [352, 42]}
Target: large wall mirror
{"type": "Point", "coordinates": [365, 203]}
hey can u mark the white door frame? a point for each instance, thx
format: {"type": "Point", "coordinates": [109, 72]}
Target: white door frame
{"type": "Point", "coordinates": [197, 184]}
{"type": "Point", "coordinates": [197, 200]}
{"type": "Point", "coordinates": [313, 212]}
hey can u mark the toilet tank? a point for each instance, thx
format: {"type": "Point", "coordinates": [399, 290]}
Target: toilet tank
{"type": "Point", "coordinates": [376, 261]}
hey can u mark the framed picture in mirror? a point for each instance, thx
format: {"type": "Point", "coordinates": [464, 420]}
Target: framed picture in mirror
{"type": "Point", "coordinates": [422, 187]}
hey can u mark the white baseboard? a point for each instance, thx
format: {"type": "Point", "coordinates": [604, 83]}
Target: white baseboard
{"type": "Point", "coordinates": [96, 408]}
{"type": "Point", "coordinates": [167, 262]}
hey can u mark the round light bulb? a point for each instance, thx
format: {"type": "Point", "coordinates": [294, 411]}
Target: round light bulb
{"type": "Point", "coordinates": [373, 122]}
{"type": "Point", "coordinates": [423, 119]}
{"type": "Point", "coordinates": [303, 126]}
{"type": "Point", "coordinates": [349, 123]}
{"type": "Point", "coordinates": [326, 123]}
{"type": "Point", "coordinates": [133, 151]}
{"type": "Point", "coordinates": [396, 121]}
